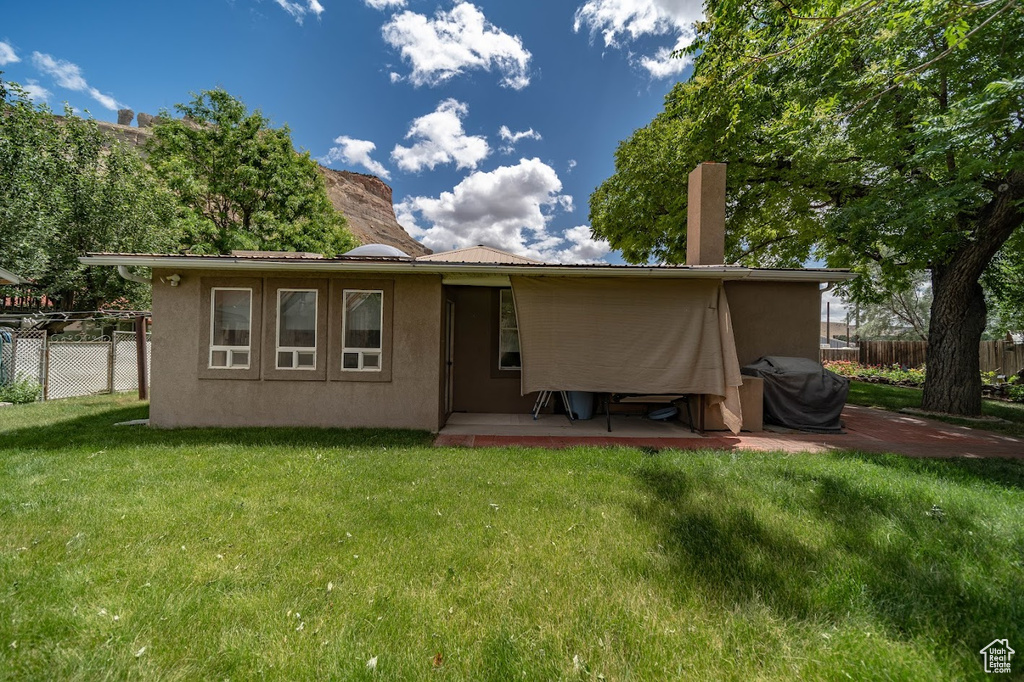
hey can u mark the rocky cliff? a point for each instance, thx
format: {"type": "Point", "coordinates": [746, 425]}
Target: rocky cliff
{"type": "Point", "coordinates": [365, 200]}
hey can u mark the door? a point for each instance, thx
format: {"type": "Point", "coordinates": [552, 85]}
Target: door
{"type": "Point", "coordinates": [449, 357]}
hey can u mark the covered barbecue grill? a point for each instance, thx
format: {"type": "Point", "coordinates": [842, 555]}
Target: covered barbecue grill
{"type": "Point", "coordinates": [800, 393]}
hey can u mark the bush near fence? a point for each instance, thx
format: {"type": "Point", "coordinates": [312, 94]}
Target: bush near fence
{"type": "Point", "coordinates": [1001, 357]}
{"type": "Point", "coordinates": [894, 375]}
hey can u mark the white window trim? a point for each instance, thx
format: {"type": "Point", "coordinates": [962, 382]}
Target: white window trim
{"type": "Point", "coordinates": [295, 350]}
{"type": "Point", "coordinates": [361, 351]}
{"type": "Point", "coordinates": [231, 350]}
{"type": "Point", "coordinates": [519, 367]}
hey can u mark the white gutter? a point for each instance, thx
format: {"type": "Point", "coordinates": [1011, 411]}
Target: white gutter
{"type": "Point", "coordinates": [726, 272]}
{"type": "Point", "coordinates": [123, 271]}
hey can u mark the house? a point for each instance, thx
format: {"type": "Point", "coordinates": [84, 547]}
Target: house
{"type": "Point", "coordinates": [378, 339]}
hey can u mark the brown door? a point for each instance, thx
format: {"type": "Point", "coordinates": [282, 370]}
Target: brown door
{"type": "Point", "coordinates": [449, 357]}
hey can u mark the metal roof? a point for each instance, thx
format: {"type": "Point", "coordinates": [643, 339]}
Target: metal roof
{"type": "Point", "coordinates": [400, 265]}
{"type": "Point", "coordinates": [478, 254]}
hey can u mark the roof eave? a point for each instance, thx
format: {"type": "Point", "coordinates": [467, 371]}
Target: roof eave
{"type": "Point", "coordinates": [7, 277]}
{"type": "Point", "coordinates": [725, 272]}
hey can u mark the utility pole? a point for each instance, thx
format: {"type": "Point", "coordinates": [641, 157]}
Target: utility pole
{"type": "Point", "coordinates": [828, 322]}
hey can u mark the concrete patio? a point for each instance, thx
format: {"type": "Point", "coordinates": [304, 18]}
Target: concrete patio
{"type": "Point", "coordinates": [867, 429]}
{"type": "Point", "coordinates": [557, 426]}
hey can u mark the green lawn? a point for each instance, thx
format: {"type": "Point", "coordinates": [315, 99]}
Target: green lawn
{"type": "Point", "coordinates": [897, 398]}
{"type": "Point", "coordinates": [302, 554]}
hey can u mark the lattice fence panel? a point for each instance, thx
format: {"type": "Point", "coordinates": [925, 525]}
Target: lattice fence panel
{"type": "Point", "coordinates": [78, 368]}
{"type": "Point", "coordinates": [126, 370]}
{"type": "Point", "coordinates": [27, 352]}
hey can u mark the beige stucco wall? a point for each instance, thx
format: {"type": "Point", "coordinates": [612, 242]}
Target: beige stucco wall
{"type": "Point", "coordinates": [180, 398]}
{"type": "Point", "coordinates": [775, 318]}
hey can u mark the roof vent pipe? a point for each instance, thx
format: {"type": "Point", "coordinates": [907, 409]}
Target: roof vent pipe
{"type": "Point", "coordinates": [123, 271]}
{"type": "Point", "coordinates": [705, 215]}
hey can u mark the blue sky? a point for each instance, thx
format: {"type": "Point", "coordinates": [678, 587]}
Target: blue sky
{"type": "Point", "coordinates": [492, 121]}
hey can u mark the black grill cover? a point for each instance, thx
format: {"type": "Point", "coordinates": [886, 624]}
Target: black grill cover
{"type": "Point", "coordinates": [800, 393]}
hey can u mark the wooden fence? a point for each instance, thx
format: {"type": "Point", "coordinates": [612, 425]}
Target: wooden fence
{"type": "Point", "coordinates": [995, 356]}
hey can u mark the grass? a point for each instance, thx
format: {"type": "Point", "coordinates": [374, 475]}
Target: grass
{"type": "Point", "coordinates": [897, 398]}
{"type": "Point", "coordinates": [302, 554]}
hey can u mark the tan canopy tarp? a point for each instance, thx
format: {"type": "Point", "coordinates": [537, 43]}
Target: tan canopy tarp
{"type": "Point", "coordinates": [625, 335]}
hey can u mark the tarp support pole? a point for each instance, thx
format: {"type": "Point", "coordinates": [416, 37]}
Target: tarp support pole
{"type": "Point", "coordinates": [140, 355]}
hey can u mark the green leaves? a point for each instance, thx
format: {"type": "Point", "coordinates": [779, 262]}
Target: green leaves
{"type": "Point", "coordinates": [66, 189]}
{"type": "Point", "coordinates": [846, 126]}
{"type": "Point", "coordinates": [240, 183]}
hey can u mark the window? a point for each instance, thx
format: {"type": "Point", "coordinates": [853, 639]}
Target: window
{"type": "Point", "coordinates": [230, 327]}
{"type": "Point", "coordinates": [362, 326]}
{"type": "Point", "coordinates": [508, 333]}
{"type": "Point", "coordinates": [296, 328]}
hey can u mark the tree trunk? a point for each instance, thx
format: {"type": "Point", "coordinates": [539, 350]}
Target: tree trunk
{"type": "Point", "coordinates": [953, 382]}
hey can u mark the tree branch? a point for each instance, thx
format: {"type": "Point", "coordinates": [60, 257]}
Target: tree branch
{"type": "Point", "coordinates": [763, 245]}
{"type": "Point", "coordinates": [917, 69]}
{"type": "Point", "coordinates": [829, 22]}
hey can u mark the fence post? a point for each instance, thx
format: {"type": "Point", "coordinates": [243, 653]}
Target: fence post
{"type": "Point", "coordinates": [111, 359]}
{"type": "Point", "coordinates": [14, 358]}
{"type": "Point", "coordinates": [140, 354]}
{"type": "Point", "coordinates": [45, 361]}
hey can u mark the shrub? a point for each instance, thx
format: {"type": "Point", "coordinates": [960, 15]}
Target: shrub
{"type": "Point", "coordinates": [1015, 392]}
{"type": "Point", "coordinates": [879, 374]}
{"type": "Point", "coordinates": [23, 391]}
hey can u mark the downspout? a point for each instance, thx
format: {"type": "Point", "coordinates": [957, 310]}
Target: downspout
{"type": "Point", "coordinates": [123, 271]}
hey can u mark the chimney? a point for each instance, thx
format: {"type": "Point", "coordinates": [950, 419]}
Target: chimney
{"type": "Point", "coordinates": [705, 215]}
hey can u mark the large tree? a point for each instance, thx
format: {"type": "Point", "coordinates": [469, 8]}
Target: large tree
{"type": "Point", "coordinates": [883, 135]}
{"type": "Point", "coordinates": [241, 183]}
{"type": "Point", "coordinates": [66, 188]}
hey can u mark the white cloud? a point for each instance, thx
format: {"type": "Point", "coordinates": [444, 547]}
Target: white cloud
{"type": "Point", "coordinates": [577, 246]}
{"type": "Point", "coordinates": [35, 91]}
{"type": "Point", "coordinates": [623, 21]}
{"type": "Point", "coordinates": [299, 10]}
{"type": "Point", "coordinates": [439, 139]}
{"type": "Point", "coordinates": [663, 65]}
{"type": "Point", "coordinates": [353, 151]}
{"type": "Point", "coordinates": [571, 164]}
{"type": "Point", "coordinates": [68, 75]}
{"type": "Point", "coordinates": [384, 4]}
{"type": "Point", "coordinates": [507, 208]}
{"type": "Point", "coordinates": [512, 138]}
{"type": "Point", "coordinates": [838, 309]}
{"type": "Point", "coordinates": [456, 41]}
{"type": "Point", "coordinates": [7, 54]}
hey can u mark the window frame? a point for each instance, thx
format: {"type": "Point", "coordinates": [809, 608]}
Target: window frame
{"type": "Point", "coordinates": [392, 294]}
{"type": "Point", "coordinates": [295, 350]}
{"type": "Point", "coordinates": [519, 367]}
{"type": "Point", "coordinates": [230, 350]}
{"type": "Point", "coordinates": [379, 351]}
{"type": "Point", "coordinates": [258, 332]}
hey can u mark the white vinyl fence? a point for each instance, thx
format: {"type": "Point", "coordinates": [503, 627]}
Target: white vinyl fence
{"type": "Point", "coordinates": [68, 365]}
